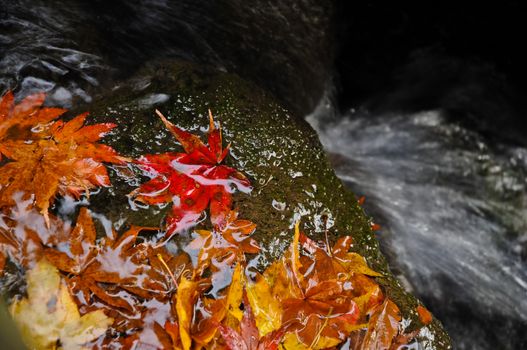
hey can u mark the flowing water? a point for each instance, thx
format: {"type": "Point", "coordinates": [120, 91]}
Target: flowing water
{"type": "Point", "coordinates": [453, 212]}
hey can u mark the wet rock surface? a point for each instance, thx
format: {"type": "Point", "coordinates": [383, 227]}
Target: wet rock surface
{"type": "Point", "coordinates": [278, 151]}
{"type": "Point", "coordinates": [74, 52]}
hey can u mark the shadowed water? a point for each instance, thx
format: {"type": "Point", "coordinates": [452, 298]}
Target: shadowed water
{"type": "Point", "coordinates": [453, 211]}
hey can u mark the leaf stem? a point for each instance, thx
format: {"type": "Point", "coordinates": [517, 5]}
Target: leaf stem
{"type": "Point", "coordinates": [319, 332]}
{"type": "Point", "coordinates": [168, 269]}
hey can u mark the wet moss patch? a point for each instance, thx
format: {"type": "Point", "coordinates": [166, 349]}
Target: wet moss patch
{"type": "Point", "coordinates": [278, 151]}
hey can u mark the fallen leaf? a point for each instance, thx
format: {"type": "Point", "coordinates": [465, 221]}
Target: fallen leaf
{"type": "Point", "coordinates": [22, 121]}
{"type": "Point", "coordinates": [249, 338]}
{"type": "Point", "coordinates": [291, 341]}
{"type": "Point", "coordinates": [267, 308]}
{"type": "Point", "coordinates": [49, 315]}
{"type": "Point", "coordinates": [187, 295]}
{"type": "Point", "coordinates": [424, 315]}
{"type": "Point", "coordinates": [191, 181]}
{"type": "Point", "coordinates": [225, 244]}
{"type": "Point", "coordinates": [116, 261]}
{"type": "Point", "coordinates": [66, 160]}
{"type": "Point", "coordinates": [383, 326]}
{"type": "Point", "coordinates": [23, 233]}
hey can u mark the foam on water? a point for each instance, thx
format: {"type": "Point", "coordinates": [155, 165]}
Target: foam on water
{"type": "Point", "coordinates": [453, 212]}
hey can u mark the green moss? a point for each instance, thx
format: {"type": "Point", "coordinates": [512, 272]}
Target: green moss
{"type": "Point", "coordinates": [279, 152]}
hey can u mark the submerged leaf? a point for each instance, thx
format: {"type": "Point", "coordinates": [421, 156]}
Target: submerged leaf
{"type": "Point", "coordinates": [186, 297]}
{"type": "Point", "coordinates": [249, 337]}
{"type": "Point", "coordinates": [116, 262]}
{"type": "Point", "coordinates": [225, 244]}
{"type": "Point", "coordinates": [64, 159]}
{"type": "Point", "coordinates": [49, 315]}
{"type": "Point", "coordinates": [267, 308]}
{"type": "Point", "coordinates": [191, 181]}
{"type": "Point", "coordinates": [383, 326]}
{"type": "Point", "coordinates": [21, 121]}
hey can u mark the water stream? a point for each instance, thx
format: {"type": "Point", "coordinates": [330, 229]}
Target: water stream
{"type": "Point", "coordinates": [453, 212]}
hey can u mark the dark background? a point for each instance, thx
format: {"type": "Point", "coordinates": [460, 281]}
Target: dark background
{"type": "Point", "coordinates": [468, 58]}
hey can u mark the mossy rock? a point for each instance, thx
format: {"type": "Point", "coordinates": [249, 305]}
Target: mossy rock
{"type": "Point", "coordinates": [279, 152]}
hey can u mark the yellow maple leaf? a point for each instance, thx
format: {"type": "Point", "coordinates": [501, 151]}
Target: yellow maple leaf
{"type": "Point", "coordinates": [49, 316]}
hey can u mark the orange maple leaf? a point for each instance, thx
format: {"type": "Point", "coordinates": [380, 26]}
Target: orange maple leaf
{"type": "Point", "coordinates": [64, 159]}
{"type": "Point", "coordinates": [324, 291]}
{"type": "Point", "coordinates": [383, 326]}
{"type": "Point", "coordinates": [21, 121]}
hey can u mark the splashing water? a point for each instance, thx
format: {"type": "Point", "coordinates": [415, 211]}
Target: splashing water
{"type": "Point", "coordinates": [453, 212]}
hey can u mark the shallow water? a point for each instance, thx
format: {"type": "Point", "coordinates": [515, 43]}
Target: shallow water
{"type": "Point", "coordinates": [453, 212]}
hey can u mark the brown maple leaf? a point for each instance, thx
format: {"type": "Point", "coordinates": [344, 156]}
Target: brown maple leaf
{"type": "Point", "coordinates": [383, 326]}
{"type": "Point", "coordinates": [65, 159]}
{"type": "Point", "coordinates": [116, 262]}
{"type": "Point", "coordinates": [324, 292]}
{"type": "Point", "coordinates": [24, 233]}
{"type": "Point", "coordinates": [24, 248]}
{"type": "Point", "coordinates": [225, 245]}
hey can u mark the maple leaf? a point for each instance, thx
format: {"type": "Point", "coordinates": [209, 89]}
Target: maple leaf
{"type": "Point", "coordinates": [24, 248]}
{"type": "Point", "coordinates": [67, 161]}
{"type": "Point", "coordinates": [249, 338]}
{"type": "Point", "coordinates": [191, 181]}
{"type": "Point", "coordinates": [224, 245]}
{"type": "Point", "coordinates": [383, 326]}
{"type": "Point", "coordinates": [337, 259]}
{"type": "Point", "coordinates": [22, 120]}
{"type": "Point", "coordinates": [116, 262]}
{"type": "Point", "coordinates": [23, 233]}
{"type": "Point", "coordinates": [267, 308]}
{"type": "Point", "coordinates": [324, 292]}
{"type": "Point", "coordinates": [49, 315]}
{"type": "Point", "coordinates": [199, 316]}
{"type": "Point", "coordinates": [156, 328]}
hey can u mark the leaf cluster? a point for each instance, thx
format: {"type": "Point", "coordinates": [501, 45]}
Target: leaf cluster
{"type": "Point", "coordinates": [127, 290]}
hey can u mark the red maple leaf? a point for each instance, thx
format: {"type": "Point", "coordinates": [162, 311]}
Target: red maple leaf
{"type": "Point", "coordinates": [191, 181]}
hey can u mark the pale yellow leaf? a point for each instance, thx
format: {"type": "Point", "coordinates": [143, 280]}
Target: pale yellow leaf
{"type": "Point", "coordinates": [266, 307]}
{"type": "Point", "coordinates": [49, 314]}
{"type": "Point", "coordinates": [184, 306]}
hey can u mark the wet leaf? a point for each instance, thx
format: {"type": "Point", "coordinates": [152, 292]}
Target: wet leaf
{"type": "Point", "coordinates": [324, 292]}
{"type": "Point", "coordinates": [225, 244]}
{"type": "Point", "coordinates": [191, 181]}
{"type": "Point", "coordinates": [23, 233]}
{"type": "Point", "coordinates": [49, 315]}
{"type": "Point", "coordinates": [383, 326]}
{"type": "Point", "coordinates": [292, 342]}
{"type": "Point", "coordinates": [21, 121]}
{"type": "Point", "coordinates": [267, 308]}
{"type": "Point", "coordinates": [424, 315]}
{"type": "Point", "coordinates": [116, 261]}
{"type": "Point", "coordinates": [186, 297]}
{"type": "Point", "coordinates": [65, 159]}
{"type": "Point", "coordinates": [249, 338]}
